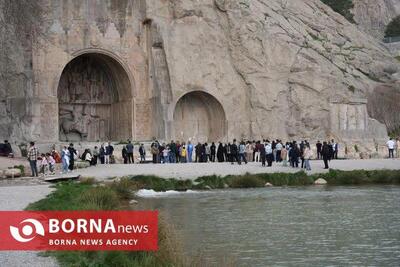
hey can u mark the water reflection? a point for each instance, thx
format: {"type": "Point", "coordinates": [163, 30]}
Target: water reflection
{"type": "Point", "coordinates": [304, 226]}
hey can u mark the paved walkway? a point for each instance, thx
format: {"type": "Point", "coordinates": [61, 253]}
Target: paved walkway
{"type": "Point", "coordinates": [17, 198]}
{"type": "Point", "coordinates": [194, 170]}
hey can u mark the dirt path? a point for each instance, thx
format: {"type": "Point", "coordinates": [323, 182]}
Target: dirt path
{"type": "Point", "coordinates": [194, 170]}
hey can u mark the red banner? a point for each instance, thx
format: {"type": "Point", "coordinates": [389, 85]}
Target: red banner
{"type": "Point", "coordinates": [79, 230]}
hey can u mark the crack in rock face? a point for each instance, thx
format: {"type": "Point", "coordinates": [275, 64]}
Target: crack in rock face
{"type": "Point", "coordinates": [288, 69]}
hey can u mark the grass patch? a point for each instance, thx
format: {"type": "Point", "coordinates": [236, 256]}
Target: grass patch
{"type": "Point", "coordinates": [301, 178]}
{"type": "Point", "coordinates": [246, 181]}
{"type": "Point", "coordinates": [84, 196]}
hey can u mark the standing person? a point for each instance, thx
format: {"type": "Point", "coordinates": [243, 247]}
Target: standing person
{"type": "Point", "coordinates": [294, 154]}
{"type": "Point", "coordinates": [142, 153]}
{"type": "Point", "coordinates": [173, 152]}
{"type": "Point", "coordinates": [125, 154]}
{"type": "Point", "coordinates": [129, 151]}
{"type": "Point", "coordinates": [242, 152]}
{"type": "Point", "coordinates": [207, 150]}
{"type": "Point", "coordinates": [220, 153]}
{"type": "Point", "coordinates": [391, 144]}
{"type": "Point", "coordinates": [102, 154]}
{"type": "Point", "coordinates": [262, 155]}
{"type": "Point", "coordinates": [302, 147]}
{"type": "Point", "coordinates": [269, 153]}
{"type": "Point", "coordinates": [257, 150]}
{"type": "Point", "coordinates": [213, 149]}
{"type": "Point", "coordinates": [284, 156]}
{"type": "Point", "coordinates": [177, 153]}
{"type": "Point", "coordinates": [52, 163]}
{"type": "Point", "coordinates": [72, 153]}
{"type": "Point", "coordinates": [154, 152]}
{"type": "Point", "coordinates": [273, 145]}
{"type": "Point", "coordinates": [197, 151]}
{"type": "Point", "coordinates": [165, 154]}
{"type": "Point", "coordinates": [65, 160]}
{"type": "Point", "coordinates": [228, 153]}
{"type": "Point", "coordinates": [249, 151]}
{"type": "Point", "coordinates": [335, 148]}
{"type": "Point", "coordinates": [95, 155]}
{"type": "Point", "coordinates": [278, 148]}
{"type": "Point", "coordinates": [203, 155]}
{"type": "Point", "coordinates": [234, 153]}
{"type": "Point", "coordinates": [190, 151]}
{"type": "Point", "coordinates": [330, 151]}
{"type": "Point", "coordinates": [307, 157]}
{"type": "Point", "coordinates": [109, 153]}
{"type": "Point", "coordinates": [33, 155]}
{"type": "Point", "coordinates": [319, 149]}
{"type": "Point", "coordinates": [325, 153]}
{"type": "Point", "coordinates": [44, 165]}
{"type": "Point", "coordinates": [183, 153]}
{"type": "Point", "coordinates": [398, 148]}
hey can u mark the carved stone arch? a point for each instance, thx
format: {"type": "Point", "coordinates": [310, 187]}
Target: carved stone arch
{"type": "Point", "coordinates": [200, 117]}
{"type": "Point", "coordinates": [95, 99]}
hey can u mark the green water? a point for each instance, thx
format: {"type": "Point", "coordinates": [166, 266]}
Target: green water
{"type": "Point", "coordinates": [303, 226]}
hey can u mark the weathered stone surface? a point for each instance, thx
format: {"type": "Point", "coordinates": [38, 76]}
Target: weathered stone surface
{"type": "Point", "coordinates": [372, 16]}
{"type": "Point", "coordinates": [11, 173]}
{"type": "Point", "coordinates": [268, 185]}
{"type": "Point", "coordinates": [320, 181]}
{"type": "Point", "coordinates": [288, 69]}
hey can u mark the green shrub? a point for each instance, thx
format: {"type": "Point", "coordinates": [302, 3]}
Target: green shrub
{"type": "Point", "coordinates": [87, 180]}
{"type": "Point", "coordinates": [64, 197]}
{"type": "Point", "coordinates": [246, 181]}
{"type": "Point", "coordinates": [212, 181]}
{"type": "Point", "coordinates": [124, 187]}
{"type": "Point", "coordinates": [393, 28]}
{"type": "Point", "coordinates": [21, 168]}
{"type": "Point", "coordinates": [99, 198]}
{"type": "Point", "coordinates": [342, 7]}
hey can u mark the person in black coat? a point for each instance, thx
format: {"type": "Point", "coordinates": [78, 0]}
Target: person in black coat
{"type": "Point", "coordinates": [220, 153]}
{"type": "Point", "coordinates": [319, 149]}
{"type": "Point", "coordinates": [326, 154]}
{"type": "Point", "coordinates": [294, 154]}
{"type": "Point", "coordinates": [213, 150]}
{"type": "Point", "coordinates": [263, 154]}
{"type": "Point", "coordinates": [102, 153]}
{"type": "Point", "coordinates": [125, 154]}
{"type": "Point", "coordinates": [72, 153]}
{"type": "Point", "coordinates": [234, 152]}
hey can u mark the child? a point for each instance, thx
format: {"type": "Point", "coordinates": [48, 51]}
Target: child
{"type": "Point", "coordinates": [44, 165]}
{"type": "Point", "coordinates": [52, 163]}
{"type": "Point", "coordinates": [166, 154]}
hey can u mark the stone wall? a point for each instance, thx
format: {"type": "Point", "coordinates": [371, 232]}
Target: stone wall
{"type": "Point", "coordinates": [278, 69]}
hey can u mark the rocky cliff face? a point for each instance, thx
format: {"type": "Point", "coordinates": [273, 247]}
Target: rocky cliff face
{"type": "Point", "coordinates": [278, 68]}
{"type": "Point", "coordinates": [295, 69]}
{"type": "Point", "coordinates": [372, 16]}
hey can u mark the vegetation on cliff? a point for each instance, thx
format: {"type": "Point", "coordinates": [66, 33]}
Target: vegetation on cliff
{"type": "Point", "coordinates": [393, 28]}
{"type": "Point", "coordinates": [342, 7]}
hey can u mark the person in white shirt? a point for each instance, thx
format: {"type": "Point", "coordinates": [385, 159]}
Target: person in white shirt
{"type": "Point", "coordinates": [391, 144]}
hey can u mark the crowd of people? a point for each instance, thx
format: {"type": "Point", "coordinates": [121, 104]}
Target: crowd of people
{"type": "Point", "coordinates": [294, 154]}
{"type": "Point", "coordinates": [264, 151]}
